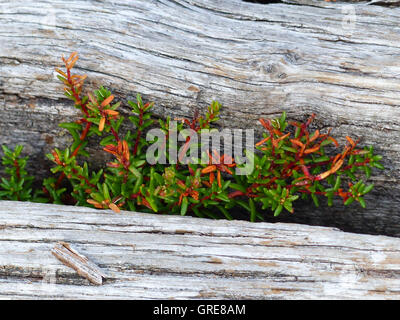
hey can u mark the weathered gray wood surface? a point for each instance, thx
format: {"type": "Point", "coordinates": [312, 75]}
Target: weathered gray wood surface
{"type": "Point", "coordinates": [171, 257]}
{"type": "Point", "coordinates": [257, 60]}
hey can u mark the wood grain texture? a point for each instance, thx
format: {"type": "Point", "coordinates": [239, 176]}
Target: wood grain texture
{"type": "Point", "coordinates": [257, 60]}
{"type": "Point", "coordinates": [148, 256]}
{"type": "Point", "coordinates": [81, 264]}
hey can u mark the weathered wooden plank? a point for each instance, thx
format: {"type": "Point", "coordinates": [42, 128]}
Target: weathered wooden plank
{"type": "Point", "coordinates": [148, 256]}
{"type": "Point", "coordinates": [257, 60]}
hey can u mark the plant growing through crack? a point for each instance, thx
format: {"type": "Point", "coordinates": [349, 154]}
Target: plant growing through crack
{"type": "Point", "coordinates": [287, 164]}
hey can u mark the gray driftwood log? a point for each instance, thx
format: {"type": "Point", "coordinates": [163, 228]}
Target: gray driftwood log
{"type": "Point", "coordinates": [301, 56]}
{"type": "Point", "coordinates": [146, 256]}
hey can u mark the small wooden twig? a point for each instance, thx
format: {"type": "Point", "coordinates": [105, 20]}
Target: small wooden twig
{"type": "Point", "coordinates": [72, 258]}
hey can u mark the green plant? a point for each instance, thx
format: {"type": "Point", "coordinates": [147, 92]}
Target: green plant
{"type": "Point", "coordinates": [19, 184]}
{"type": "Point", "coordinates": [287, 165]}
{"type": "Point", "coordinates": [294, 165]}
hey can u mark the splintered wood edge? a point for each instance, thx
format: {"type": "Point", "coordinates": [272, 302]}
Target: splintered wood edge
{"type": "Point", "coordinates": [81, 264]}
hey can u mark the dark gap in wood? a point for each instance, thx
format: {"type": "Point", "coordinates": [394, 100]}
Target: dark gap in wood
{"type": "Point", "coordinates": [384, 3]}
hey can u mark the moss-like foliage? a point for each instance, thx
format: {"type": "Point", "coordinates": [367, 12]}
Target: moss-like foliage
{"type": "Point", "coordinates": [288, 163]}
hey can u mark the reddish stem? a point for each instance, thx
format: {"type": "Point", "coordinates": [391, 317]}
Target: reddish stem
{"type": "Point", "coordinates": [17, 173]}
{"type": "Point", "coordinates": [75, 152]}
{"type": "Point", "coordinates": [17, 170]}
{"type": "Point", "coordinates": [357, 164]}
{"type": "Point", "coordinates": [85, 131]}
{"type": "Point", "coordinates": [75, 94]}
